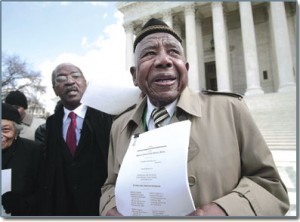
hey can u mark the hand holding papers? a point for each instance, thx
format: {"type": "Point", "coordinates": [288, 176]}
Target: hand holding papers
{"type": "Point", "coordinates": [153, 177]}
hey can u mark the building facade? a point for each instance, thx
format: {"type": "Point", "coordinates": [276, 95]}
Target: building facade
{"type": "Point", "coordinates": [243, 47]}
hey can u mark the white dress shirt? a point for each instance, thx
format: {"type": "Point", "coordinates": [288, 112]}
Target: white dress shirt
{"type": "Point", "coordinates": [80, 112]}
{"type": "Point", "coordinates": [150, 107]}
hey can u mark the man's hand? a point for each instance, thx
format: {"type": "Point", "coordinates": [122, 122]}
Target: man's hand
{"type": "Point", "coordinates": [113, 212]}
{"type": "Point", "coordinates": [211, 209]}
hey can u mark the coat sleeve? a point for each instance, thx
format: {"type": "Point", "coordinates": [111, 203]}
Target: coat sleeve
{"type": "Point", "coordinates": [260, 191]}
{"type": "Point", "coordinates": [107, 200]}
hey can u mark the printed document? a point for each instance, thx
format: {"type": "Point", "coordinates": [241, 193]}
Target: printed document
{"type": "Point", "coordinates": [153, 176]}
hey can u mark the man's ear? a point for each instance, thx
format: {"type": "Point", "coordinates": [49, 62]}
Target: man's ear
{"type": "Point", "coordinates": [187, 66]}
{"type": "Point", "coordinates": [133, 74]}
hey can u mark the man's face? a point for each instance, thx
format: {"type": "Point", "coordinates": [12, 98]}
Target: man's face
{"type": "Point", "coordinates": [8, 133]}
{"type": "Point", "coordinates": [161, 70]}
{"type": "Point", "coordinates": [69, 85]}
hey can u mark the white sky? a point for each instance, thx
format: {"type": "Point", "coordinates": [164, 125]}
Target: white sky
{"type": "Point", "coordinates": [45, 34]}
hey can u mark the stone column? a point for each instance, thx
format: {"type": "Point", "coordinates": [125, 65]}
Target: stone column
{"type": "Point", "coordinates": [200, 52]}
{"type": "Point", "coordinates": [221, 47]}
{"type": "Point", "coordinates": [282, 47]}
{"type": "Point", "coordinates": [145, 20]}
{"type": "Point", "coordinates": [167, 18]}
{"type": "Point", "coordinates": [250, 52]}
{"type": "Point", "coordinates": [177, 27]}
{"type": "Point", "coordinates": [191, 46]}
{"type": "Point", "coordinates": [129, 45]}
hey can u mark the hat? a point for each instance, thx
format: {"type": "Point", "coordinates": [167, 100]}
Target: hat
{"type": "Point", "coordinates": [153, 26]}
{"type": "Point", "coordinates": [16, 98]}
{"type": "Point", "coordinates": [10, 113]}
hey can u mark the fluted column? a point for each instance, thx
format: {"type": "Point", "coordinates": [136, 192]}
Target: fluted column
{"type": "Point", "coordinates": [168, 18]}
{"type": "Point", "coordinates": [282, 47]}
{"type": "Point", "coordinates": [221, 47]}
{"type": "Point", "coordinates": [250, 52]}
{"type": "Point", "coordinates": [200, 52]}
{"type": "Point", "coordinates": [129, 45]}
{"type": "Point", "coordinates": [191, 46]}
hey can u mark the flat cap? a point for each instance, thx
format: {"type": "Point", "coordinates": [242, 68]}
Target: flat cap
{"type": "Point", "coordinates": [10, 113]}
{"type": "Point", "coordinates": [153, 26]}
{"type": "Point", "coordinates": [17, 98]}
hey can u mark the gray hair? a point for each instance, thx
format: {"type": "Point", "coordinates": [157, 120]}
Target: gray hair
{"type": "Point", "coordinates": [18, 128]}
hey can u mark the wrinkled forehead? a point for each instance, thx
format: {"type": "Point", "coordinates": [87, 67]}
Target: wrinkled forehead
{"type": "Point", "coordinates": [159, 38]}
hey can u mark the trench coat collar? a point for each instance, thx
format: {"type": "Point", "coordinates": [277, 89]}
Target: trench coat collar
{"type": "Point", "coordinates": [189, 102]}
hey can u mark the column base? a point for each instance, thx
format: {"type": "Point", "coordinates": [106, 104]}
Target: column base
{"type": "Point", "coordinates": [254, 91]}
{"type": "Point", "coordinates": [289, 87]}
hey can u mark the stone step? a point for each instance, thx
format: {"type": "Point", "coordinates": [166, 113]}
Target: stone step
{"type": "Point", "coordinates": [275, 116]}
{"type": "Point", "coordinates": [279, 136]}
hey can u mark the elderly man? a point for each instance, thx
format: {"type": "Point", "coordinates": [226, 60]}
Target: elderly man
{"type": "Point", "coordinates": [24, 158]}
{"type": "Point", "coordinates": [77, 140]}
{"type": "Point", "coordinates": [230, 168]}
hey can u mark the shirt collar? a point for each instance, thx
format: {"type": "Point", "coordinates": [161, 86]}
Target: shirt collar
{"type": "Point", "coordinates": [189, 101]}
{"type": "Point", "coordinates": [80, 111]}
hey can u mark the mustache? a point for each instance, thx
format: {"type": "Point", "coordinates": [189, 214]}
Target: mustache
{"type": "Point", "coordinates": [71, 88]}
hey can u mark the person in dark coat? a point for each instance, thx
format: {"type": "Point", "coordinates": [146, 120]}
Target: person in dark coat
{"type": "Point", "coordinates": [73, 180]}
{"type": "Point", "coordinates": [24, 158]}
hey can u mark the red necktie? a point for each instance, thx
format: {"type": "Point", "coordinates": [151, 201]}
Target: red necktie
{"type": "Point", "coordinates": [71, 134]}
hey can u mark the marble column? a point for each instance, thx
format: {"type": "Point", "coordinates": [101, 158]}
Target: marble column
{"type": "Point", "coordinates": [129, 45]}
{"type": "Point", "coordinates": [168, 18]}
{"type": "Point", "coordinates": [221, 47]}
{"type": "Point", "coordinates": [250, 51]}
{"type": "Point", "coordinates": [200, 52]}
{"type": "Point", "coordinates": [282, 47]}
{"type": "Point", "coordinates": [191, 46]}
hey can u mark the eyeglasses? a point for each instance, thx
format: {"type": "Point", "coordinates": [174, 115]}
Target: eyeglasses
{"type": "Point", "coordinates": [64, 78]}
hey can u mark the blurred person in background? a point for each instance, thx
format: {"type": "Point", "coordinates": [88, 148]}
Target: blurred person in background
{"type": "Point", "coordinates": [29, 123]}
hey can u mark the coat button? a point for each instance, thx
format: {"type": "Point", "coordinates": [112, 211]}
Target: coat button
{"type": "Point", "coordinates": [192, 180]}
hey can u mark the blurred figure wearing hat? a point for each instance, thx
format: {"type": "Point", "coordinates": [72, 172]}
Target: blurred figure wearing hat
{"type": "Point", "coordinates": [29, 123]}
{"type": "Point", "coordinates": [24, 158]}
{"type": "Point", "coordinates": [231, 171]}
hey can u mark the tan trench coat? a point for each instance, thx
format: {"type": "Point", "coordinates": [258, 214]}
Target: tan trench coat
{"type": "Point", "coordinates": [229, 162]}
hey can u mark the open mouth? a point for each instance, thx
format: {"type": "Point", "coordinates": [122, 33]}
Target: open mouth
{"type": "Point", "coordinates": [165, 81]}
{"type": "Point", "coordinates": [71, 91]}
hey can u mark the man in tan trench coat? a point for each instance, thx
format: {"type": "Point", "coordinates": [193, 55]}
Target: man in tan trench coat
{"type": "Point", "coordinates": [231, 171]}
